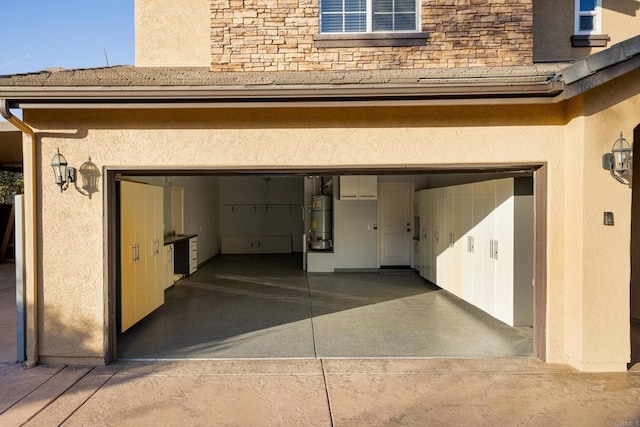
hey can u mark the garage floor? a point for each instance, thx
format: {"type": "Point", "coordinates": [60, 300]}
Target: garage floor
{"type": "Point", "coordinates": [265, 306]}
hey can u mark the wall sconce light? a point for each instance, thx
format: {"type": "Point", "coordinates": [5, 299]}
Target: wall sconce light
{"type": "Point", "coordinates": [619, 161]}
{"type": "Point", "coordinates": [63, 174]}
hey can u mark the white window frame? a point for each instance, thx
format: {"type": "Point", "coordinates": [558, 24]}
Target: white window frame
{"type": "Point", "coordinates": [597, 18]}
{"type": "Point", "coordinates": [369, 20]}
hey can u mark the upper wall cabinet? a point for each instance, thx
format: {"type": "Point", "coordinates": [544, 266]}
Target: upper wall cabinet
{"type": "Point", "coordinates": [359, 187]}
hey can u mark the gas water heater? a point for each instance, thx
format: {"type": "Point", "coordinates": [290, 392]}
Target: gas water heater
{"type": "Point", "coordinates": [320, 222]}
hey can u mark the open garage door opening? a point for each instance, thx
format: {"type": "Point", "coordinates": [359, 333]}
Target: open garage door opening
{"type": "Point", "coordinates": [318, 264]}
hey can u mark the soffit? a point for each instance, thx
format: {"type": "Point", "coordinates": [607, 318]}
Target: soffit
{"type": "Point", "coordinates": [10, 147]}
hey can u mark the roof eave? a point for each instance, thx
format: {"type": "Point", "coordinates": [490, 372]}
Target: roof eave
{"type": "Point", "coordinates": [91, 96]}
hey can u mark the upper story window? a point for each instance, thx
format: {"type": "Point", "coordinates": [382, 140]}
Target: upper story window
{"type": "Point", "coordinates": [588, 17]}
{"type": "Point", "coordinates": [365, 16]}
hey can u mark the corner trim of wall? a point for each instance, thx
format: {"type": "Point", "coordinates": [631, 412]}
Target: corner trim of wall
{"type": "Point", "coordinates": [540, 263]}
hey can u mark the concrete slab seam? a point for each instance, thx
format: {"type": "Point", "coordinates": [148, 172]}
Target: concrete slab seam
{"type": "Point", "coordinates": [326, 390]}
{"type": "Point", "coordinates": [313, 330]}
{"type": "Point", "coordinates": [32, 391]}
{"type": "Point", "coordinates": [92, 394]}
{"type": "Point", "coordinates": [58, 395]}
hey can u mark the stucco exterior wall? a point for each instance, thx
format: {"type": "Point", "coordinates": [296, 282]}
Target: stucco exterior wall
{"type": "Point", "coordinates": [172, 33]}
{"type": "Point", "coordinates": [608, 111]}
{"type": "Point", "coordinates": [72, 256]}
{"type": "Point", "coordinates": [553, 26]}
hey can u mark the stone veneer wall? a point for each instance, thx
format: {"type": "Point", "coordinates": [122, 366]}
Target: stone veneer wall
{"type": "Point", "coordinates": [277, 35]}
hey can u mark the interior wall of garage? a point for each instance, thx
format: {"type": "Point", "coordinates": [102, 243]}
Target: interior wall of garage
{"type": "Point", "coordinates": [312, 138]}
{"type": "Point", "coordinates": [201, 208]}
{"type": "Point", "coordinates": [262, 206]}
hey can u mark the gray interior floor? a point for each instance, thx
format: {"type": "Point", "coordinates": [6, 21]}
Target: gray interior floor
{"type": "Point", "coordinates": [265, 306]}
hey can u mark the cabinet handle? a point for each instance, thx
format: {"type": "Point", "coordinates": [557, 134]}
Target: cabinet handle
{"type": "Point", "coordinates": [493, 249]}
{"type": "Point", "coordinates": [135, 252]}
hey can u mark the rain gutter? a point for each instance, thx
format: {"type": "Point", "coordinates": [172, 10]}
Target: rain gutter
{"type": "Point", "coordinates": [30, 302]}
{"type": "Point", "coordinates": [432, 92]}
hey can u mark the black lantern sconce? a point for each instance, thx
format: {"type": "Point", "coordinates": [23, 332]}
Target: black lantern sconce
{"type": "Point", "coordinates": [64, 175]}
{"type": "Point", "coordinates": [619, 162]}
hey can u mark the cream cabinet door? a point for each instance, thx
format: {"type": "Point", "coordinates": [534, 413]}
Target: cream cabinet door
{"type": "Point", "coordinates": [129, 254]}
{"type": "Point", "coordinates": [359, 187]}
{"type": "Point", "coordinates": [480, 244]}
{"type": "Point", "coordinates": [503, 250]}
{"type": "Point", "coordinates": [468, 243]}
{"type": "Point", "coordinates": [349, 187]}
{"type": "Point", "coordinates": [156, 215]}
{"type": "Point", "coordinates": [142, 267]}
{"type": "Point", "coordinates": [492, 246]}
{"type": "Point", "coordinates": [168, 258]}
{"type": "Point", "coordinates": [367, 187]}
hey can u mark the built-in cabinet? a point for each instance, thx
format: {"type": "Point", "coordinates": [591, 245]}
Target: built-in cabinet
{"type": "Point", "coordinates": [476, 241]}
{"type": "Point", "coordinates": [169, 265]}
{"type": "Point", "coordinates": [358, 187]}
{"type": "Point", "coordinates": [142, 278]}
{"type": "Point", "coordinates": [186, 255]}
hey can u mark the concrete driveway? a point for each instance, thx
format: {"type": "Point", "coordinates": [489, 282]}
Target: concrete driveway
{"type": "Point", "coordinates": [306, 392]}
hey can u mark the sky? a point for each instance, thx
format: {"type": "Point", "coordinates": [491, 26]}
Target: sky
{"type": "Point", "coordinates": [39, 34]}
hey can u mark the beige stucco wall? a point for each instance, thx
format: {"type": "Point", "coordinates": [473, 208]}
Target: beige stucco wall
{"type": "Point", "coordinates": [172, 33]}
{"type": "Point", "coordinates": [605, 251]}
{"type": "Point", "coordinates": [635, 231]}
{"type": "Point", "coordinates": [580, 319]}
{"type": "Point", "coordinates": [553, 26]}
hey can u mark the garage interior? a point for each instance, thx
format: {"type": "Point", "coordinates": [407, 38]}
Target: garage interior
{"type": "Point", "coordinates": [270, 283]}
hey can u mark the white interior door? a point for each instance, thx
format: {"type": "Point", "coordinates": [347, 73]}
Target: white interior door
{"type": "Point", "coordinates": [395, 222]}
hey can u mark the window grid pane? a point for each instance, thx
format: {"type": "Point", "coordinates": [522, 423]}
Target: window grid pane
{"type": "Point", "coordinates": [356, 6]}
{"type": "Point", "coordinates": [586, 23]}
{"type": "Point", "coordinates": [394, 15]}
{"type": "Point", "coordinates": [587, 5]}
{"type": "Point", "coordinates": [351, 15]}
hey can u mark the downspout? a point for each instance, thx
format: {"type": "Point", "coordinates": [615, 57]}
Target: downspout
{"type": "Point", "coordinates": [30, 242]}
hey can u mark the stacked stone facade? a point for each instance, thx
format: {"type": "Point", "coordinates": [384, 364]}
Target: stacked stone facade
{"type": "Point", "coordinates": [277, 35]}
